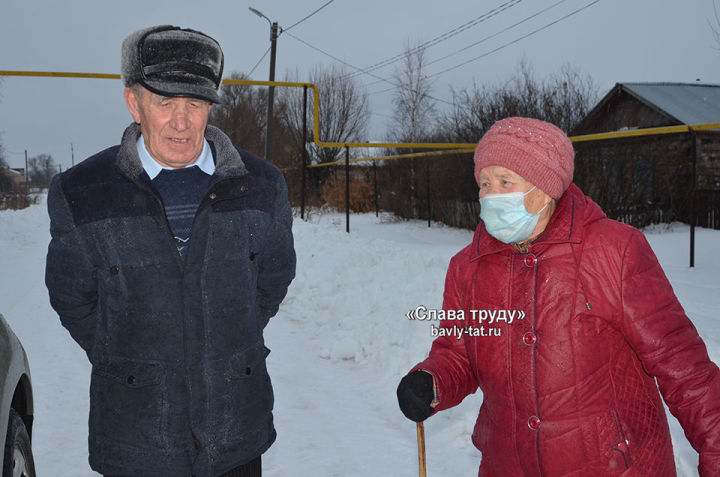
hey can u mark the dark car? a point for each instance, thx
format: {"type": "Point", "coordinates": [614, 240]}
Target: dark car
{"type": "Point", "coordinates": [16, 406]}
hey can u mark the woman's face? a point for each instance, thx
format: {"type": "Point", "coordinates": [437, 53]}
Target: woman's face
{"type": "Point", "coordinates": [501, 180]}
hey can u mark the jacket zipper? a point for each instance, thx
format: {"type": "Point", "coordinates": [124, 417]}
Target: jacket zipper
{"type": "Point", "coordinates": [535, 372]}
{"type": "Point", "coordinates": [181, 263]}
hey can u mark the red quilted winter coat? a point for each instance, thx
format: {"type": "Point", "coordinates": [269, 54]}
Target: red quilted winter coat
{"type": "Point", "coordinates": [570, 388]}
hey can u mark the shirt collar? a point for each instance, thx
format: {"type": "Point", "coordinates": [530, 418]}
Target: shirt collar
{"type": "Point", "coordinates": [205, 161]}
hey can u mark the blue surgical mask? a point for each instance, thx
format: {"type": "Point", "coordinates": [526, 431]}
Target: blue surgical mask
{"type": "Point", "coordinates": [506, 217]}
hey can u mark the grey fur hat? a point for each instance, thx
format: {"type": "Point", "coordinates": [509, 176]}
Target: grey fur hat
{"type": "Point", "coordinates": [172, 61]}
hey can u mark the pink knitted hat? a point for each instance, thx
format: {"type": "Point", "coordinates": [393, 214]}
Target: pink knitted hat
{"type": "Point", "coordinates": [538, 151]}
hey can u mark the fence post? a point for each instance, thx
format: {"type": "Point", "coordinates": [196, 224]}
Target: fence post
{"type": "Point", "coordinates": [304, 156]}
{"type": "Point", "coordinates": [377, 207]}
{"type": "Point", "coordinates": [427, 183]}
{"type": "Point", "coordinates": [693, 186]}
{"type": "Point", "coordinates": [347, 189]}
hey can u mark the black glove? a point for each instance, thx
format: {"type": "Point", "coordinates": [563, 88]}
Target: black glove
{"type": "Point", "coordinates": [415, 393]}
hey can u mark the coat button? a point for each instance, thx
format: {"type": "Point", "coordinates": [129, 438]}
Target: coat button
{"type": "Point", "coordinates": [243, 188]}
{"type": "Point", "coordinates": [530, 260]}
{"type": "Point", "coordinates": [131, 380]}
{"type": "Point", "coordinates": [212, 195]}
{"type": "Point", "coordinates": [529, 338]}
{"type": "Point", "coordinates": [114, 270]}
{"type": "Point", "coordinates": [251, 256]}
{"type": "Point", "coordinates": [534, 422]}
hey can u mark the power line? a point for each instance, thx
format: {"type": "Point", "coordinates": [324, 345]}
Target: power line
{"type": "Point", "coordinates": [498, 33]}
{"type": "Point", "coordinates": [444, 36]}
{"type": "Point", "coordinates": [333, 56]}
{"type": "Point", "coordinates": [498, 48]}
{"type": "Point", "coordinates": [395, 84]}
{"type": "Point", "coordinates": [516, 40]}
{"type": "Point", "coordinates": [502, 46]}
{"type": "Point", "coordinates": [282, 30]}
{"type": "Point", "coordinates": [438, 39]}
{"type": "Point", "coordinates": [258, 61]}
{"type": "Point", "coordinates": [313, 13]}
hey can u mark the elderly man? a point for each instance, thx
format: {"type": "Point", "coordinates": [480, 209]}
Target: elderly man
{"type": "Point", "coordinates": [169, 254]}
{"type": "Point", "coordinates": [570, 322]}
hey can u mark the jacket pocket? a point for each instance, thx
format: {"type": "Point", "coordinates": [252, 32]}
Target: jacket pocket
{"type": "Point", "coordinates": [242, 400]}
{"type": "Point", "coordinates": [128, 402]}
{"type": "Point", "coordinates": [621, 446]}
{"type": "Point", "coordinates": [246, 363]}
{"type": "Point", "coordinates": [613, 444]}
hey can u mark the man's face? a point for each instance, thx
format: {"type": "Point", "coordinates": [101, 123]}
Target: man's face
{"type": "Point", "coordinates": [173, 128]}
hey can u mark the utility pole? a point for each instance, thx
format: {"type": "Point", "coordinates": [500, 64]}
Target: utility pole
{"type": "Point", "coordinates": [72, 155]}
{"type": "Point", "coordinates": [271, 89]}
{"type": "Point", "coordinates": [275, 31]}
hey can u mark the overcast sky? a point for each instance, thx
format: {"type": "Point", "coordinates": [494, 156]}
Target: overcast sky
{"type": "Point", "coordinates": [610, 40]}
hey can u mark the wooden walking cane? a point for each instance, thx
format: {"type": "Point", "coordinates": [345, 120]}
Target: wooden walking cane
{"type": "Point", "coordinates": [421, 448]}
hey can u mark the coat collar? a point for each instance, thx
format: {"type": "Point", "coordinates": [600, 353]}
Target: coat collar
{"type": "Point", "coordinates": [228, 161]}
{"type": "Point", "coordinates": [567, 225]}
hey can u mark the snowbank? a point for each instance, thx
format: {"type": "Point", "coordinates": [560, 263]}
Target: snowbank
{"type": "Point", "coordinates": [340, 343]}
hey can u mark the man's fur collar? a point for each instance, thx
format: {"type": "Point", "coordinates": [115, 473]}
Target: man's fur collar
{"type": "Point", "coordinates": [228, 161]}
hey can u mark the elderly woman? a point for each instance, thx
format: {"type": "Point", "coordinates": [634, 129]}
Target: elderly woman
{"type": "Point", "coordinates": [584, 324]}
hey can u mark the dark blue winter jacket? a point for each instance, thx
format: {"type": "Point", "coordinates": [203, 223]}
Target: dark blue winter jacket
{"type": "Point", "coordinates": [179, 384]}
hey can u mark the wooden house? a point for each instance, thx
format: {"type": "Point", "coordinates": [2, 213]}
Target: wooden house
{"type": "Point", "coordinates": [657, 178]}
{"type": "Point", "coordinates": [12, 179]}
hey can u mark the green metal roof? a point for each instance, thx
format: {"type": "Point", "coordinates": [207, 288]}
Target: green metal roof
{"type": "Point", "coordinates": [689, 103]}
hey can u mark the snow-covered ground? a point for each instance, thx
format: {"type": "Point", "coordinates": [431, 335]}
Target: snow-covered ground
{"type": "Point", "coordinates": [340, 343]}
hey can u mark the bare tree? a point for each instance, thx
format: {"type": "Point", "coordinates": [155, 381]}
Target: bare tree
{"type": "Point", "coordinates": [469, 117]}
{"type": "Point", "coordinates": [564, 99]}
{"type": "Point", "coordinates": [6, 183]}
{"type": "Point", "coordinates": [568, 96]}
{"type": "Point", "coordinates": [343, 112]}
{"type": "Point", "coordinates": [413, 119]}
{"type": "Point", "coordinates": [243, 117]}
{"type": "Point", "coordinates": [10, 196]}
{"type": "Point", "coordinates": [41, 169]}
{"type": "Point", "coordinates": [414, 105]}
{"type": "Point", "coordinates": [3, 160]}
{"type": "Point", "coordinates": [476, 109]}
{"type": "Point", "coordinates": [242, 114]}
{"type": "Point", "coordinates": [715, 25]}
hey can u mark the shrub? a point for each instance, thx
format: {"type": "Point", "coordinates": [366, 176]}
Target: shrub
{"type": "Point", "coordinates": [16, 200]}
{"type": "Point", "coordinates": [361, 193]}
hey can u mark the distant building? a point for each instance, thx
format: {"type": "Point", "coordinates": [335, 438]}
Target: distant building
{"type": "Point", "coordinates": [649, 179]}
{"type": "Point", "coordinates": [14, 179]}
